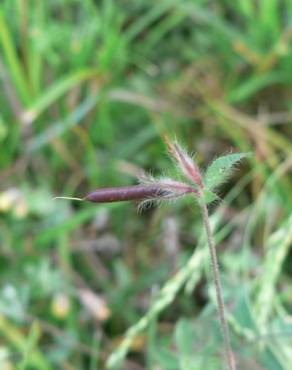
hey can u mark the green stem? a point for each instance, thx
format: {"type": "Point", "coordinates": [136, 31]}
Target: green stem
{"type": "Point", "coordinates": [218, 287]}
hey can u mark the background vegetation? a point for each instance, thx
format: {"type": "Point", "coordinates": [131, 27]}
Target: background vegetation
{"type": "Point", "coordinates": [88, 88]}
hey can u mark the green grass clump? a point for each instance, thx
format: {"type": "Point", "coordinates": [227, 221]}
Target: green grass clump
{"type": "Point", "coordinates": [88, 91]}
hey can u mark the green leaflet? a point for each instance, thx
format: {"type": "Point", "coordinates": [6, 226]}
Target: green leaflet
{"type": "Point", "coordinates": [221, 169]}
{"type": "Point", "coordinates": [209, 196]}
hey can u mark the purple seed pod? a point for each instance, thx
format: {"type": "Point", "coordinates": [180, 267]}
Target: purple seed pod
{"type": "Point", "coordinates": [163, 189]}
{"type": "Point", "coordinates": [123, 193]}
{"type": "Point", "coordinates": [149, 190]}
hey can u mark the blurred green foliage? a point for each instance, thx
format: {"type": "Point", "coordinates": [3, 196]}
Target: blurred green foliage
{"type": "Point", "coordinates": [88, 89]}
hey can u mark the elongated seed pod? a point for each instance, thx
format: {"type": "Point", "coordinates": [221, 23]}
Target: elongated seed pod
{"type": "Point", "coordinates": [123, 193]}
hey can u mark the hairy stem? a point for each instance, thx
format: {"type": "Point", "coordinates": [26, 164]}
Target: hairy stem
{"type": "Point", "coordinates": [218, 287]}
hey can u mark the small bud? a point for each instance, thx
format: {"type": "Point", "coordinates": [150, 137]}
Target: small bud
{"type": "Point", "coordinates": [185, 163]}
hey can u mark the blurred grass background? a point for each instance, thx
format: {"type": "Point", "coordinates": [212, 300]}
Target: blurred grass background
{"type": "Point", "coordinates": [88, 89]}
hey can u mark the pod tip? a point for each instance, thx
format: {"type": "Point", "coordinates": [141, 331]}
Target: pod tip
{"type": "Point", "coordinates": [69, 198]}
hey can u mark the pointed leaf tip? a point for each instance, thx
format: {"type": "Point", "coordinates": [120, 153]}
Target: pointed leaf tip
{"type": "Point", "coordinates": [209, 196]}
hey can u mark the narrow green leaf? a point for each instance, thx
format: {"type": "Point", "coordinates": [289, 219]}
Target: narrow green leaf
{"type": "Point", "coordinates": [221, 169]}
{"type": "Point", "coordinates": [248, 88]}
{"type": "Point", "coordinates": [31, 342]}
{"type": "Point", "coordinates": [58, 89]}
{"type": "Point", "coordinates": [16, 71]}
{"type": "Point", "coordinates": [56, 129]}
{"type": "Point", "coordinates": [27, 345]}
{"type": "Point", "coordinates": [277, 248]}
